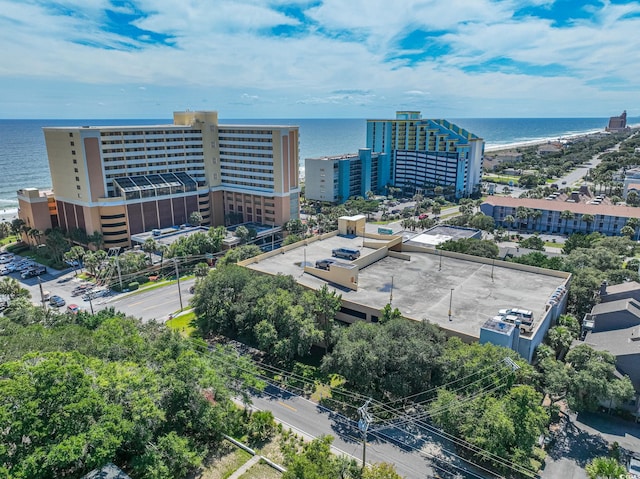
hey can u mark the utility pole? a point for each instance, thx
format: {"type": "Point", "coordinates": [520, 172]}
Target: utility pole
{"type": "Point", "coordinates": [440, 268]}
{"type": "Point", "coordinates": [44, 306]}
{"type": "Point", "coordinates": [91, 301]}
{"type": "Point", "coordinates": [118, 268]}
{"type": "Point", "coordinates": [175, 263]}
{"type": "Point", "coordinates": [391, 293]}
{"type": "Point", "coordinates": [450, 303]}
{"type": "Point", "coordinates": [363, 425]}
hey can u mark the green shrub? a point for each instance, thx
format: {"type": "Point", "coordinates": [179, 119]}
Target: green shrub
{"type": "Point", "coordinates": [18, 248]}
{"type": "Point", "coordinates": [133, 286]}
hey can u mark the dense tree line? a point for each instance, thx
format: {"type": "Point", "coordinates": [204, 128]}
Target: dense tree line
{"type": "Point", "coordinates": [581, 376]}
{"type": "Point", "coordinates": [472, 246]}
{"type": "Point", "coordinates": [271, 312]}
{"type": "Point", "coordinates": [591, 259]}
{"type": "Point", "coordinates": [80, 391]}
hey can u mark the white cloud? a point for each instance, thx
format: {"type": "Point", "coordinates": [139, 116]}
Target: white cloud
{"type": "Point", "coordinates": [222, 51]}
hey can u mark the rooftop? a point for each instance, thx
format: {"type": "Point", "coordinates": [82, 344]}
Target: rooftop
{"type": "Point", "coordinates": [168, 236]}
{"type": "Point", "coordinates": [424, 286]}
{"type": "Point", "coordinates": [560, 205]}
{"type": "Point", "coordinates": [439, 234]}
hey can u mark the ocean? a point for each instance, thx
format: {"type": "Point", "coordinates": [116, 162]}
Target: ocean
{"type": "Point", "coordinates": [23, 156]}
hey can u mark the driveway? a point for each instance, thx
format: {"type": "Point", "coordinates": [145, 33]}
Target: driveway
{"type": "Point", "coordinates": [584, 437]}
{"type": "Point", "coordinates": [570, 451]}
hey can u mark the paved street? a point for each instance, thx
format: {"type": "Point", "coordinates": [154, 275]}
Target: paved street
{"type": "Point", "coordinates": [155, 304]}
{"type": "Point", "coordinates": [410, 453]}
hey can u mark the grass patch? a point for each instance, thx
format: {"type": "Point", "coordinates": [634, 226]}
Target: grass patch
{"type": "Point", "coordinates": [223, 462]}
{"type": "Point", "coordinates": [8, 240]}
{"type": "Point", "coordinates": [181, 323]}
{"type": "Point", "coordinates": [261, 471]}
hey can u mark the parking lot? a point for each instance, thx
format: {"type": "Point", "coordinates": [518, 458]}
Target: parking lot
{"type": "Point", "coordinates": [53, 287]}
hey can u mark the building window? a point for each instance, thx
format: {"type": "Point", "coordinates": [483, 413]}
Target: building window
{"type": "Point", "coordinates": [75, 170]}
{"type": "Point", "coordinates": [75, 162]}
{"type": "Point", "coordinates": [71, 134]}
{"type": "Point", "coordinates": [77, 178]}
{"type": "Point", "coordinates": [73, 143]}
{"type": "Point", "coordinates": [73, 152]}
{"type": "Point", "coordinates": [78, 187]}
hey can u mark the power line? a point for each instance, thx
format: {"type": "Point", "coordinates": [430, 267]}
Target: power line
{"type": "Point", "coordinates": [477, 449]}
{"type": "Point", "coordinates": [405, 444]}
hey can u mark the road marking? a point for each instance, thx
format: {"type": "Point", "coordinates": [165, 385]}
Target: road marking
{"type": "Point", "coordinates": [287, 406]}
{"type": "Point", "coordinates": [158, 304]}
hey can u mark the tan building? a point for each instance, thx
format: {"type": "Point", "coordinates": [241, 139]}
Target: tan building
{"type": "Point", "coordinates": [38, 209]}
{"type": "Point", "coordinates": [124, 180]}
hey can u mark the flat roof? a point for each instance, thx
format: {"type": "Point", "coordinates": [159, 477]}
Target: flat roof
{"type": "Point", "coordinates": [169, 235]}
{"type": "Point", "coordinates": [423, 290]}
{"type": "Point", "coordinates": [440, 234]}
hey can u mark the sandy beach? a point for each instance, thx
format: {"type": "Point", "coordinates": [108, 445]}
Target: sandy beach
{"type": "Point", "coordinates": [8, 214]}
{"type": "Point", "coordinates": [541, 141]}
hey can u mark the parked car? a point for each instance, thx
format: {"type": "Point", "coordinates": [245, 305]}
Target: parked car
{"type": "Point", "coordinates": [56, 301]}
{"type": "Point", "coordinates": [348, 253]}
{"type": "Point", "coordinates": [46, 295]}
{"type": "Point", "coordinates": [33, 271]}
{"type": "Point", "coordinates": [423, 216]}
{"type": "Point", "coordinates": [73, 309]}
{"type": "Point", "coordinates": [6, 258]}
{"type": "Point", "coordinates": [324, 263]}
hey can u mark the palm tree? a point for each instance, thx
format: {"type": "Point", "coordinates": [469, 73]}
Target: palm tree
{"type": "Point", "coordinates": [606, 468]}
{"type": "Point", "coordinates": [633, 223]}
{"type": "Point", "coordinates": [566, 215]}
{"type": "Point", "coordinates": [149, 246]}
{"type": "Point", "coordinates": [201, 270]}
{"type": "Point", "coordinates": [16, 226]}
{"type": "Point", "coordinates": [627, 231]}
{"type": "Point", "coordinates": [5, 230]}
{"type": "Point", "coordinates": [588, 219]}
{"type": "Point", "coordinates": [521, 214]}
{"type": "Point", "coordinates": [509, 219]}
{"type": "Point", "coordinates": [96, 239]}
{"type": "Point", "coordinates": [195, 218]}
{"type": "Point", "coordinates": [536, 215]}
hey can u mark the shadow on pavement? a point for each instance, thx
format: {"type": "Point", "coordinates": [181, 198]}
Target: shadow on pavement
{"type": "Point", "coordinates": [610, 425]}
{"type": "Point", "coordinates": [570, 442]}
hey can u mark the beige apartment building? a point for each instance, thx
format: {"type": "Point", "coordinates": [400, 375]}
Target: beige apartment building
{"type": "Point", "coordinates": [124, 180]}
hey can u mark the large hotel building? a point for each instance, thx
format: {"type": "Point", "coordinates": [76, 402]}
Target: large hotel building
{"type": "Point", "coordinates": [124, 180]}
{"type": "Point", "coordinates": [407, 152]}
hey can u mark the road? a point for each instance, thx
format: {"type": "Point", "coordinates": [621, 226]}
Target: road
{"type": "Point", "coordinates": [409, 453]}
{"type": "Point", "coordinates": [579, 173]}
{"type": "Point", "coordinates": [155, 304]}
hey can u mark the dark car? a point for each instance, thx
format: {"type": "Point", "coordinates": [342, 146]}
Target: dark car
{"type": "Point", "coordinates": [34, 271]}
{"type": "Point", "coordinates": [348, 253]}
{"type": "Point", "coordinates": [324, 263]}
{"type": "Point", "coordinates": [56, 301]}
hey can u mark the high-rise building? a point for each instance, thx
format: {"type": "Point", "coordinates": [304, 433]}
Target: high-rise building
{"type": "Point", "coordinates": [335, 179]}
{"type": "Point", "coordinates": [124, 180]}
{"type": "Point", "coordinates": [618, 123]}
{"type": "Point", "coordinates": [424, 154]}
{"type": "Point", "coordinates": [410, 153]}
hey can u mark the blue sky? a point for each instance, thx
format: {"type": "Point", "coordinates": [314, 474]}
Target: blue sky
{"type": "Point", "coordinates": [319, 58]}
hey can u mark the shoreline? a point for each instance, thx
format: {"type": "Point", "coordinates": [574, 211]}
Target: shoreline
{"type": "Point", "coordinates": [8, 214]}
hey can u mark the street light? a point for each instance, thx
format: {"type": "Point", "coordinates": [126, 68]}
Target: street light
{"type": "Point", "coordinates": [450, 303]}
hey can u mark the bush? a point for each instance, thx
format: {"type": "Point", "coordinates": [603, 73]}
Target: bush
{"type": "Point", "coordinates": [18, 248]}
{"type": "Point", "coordinates": [133, 286]}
